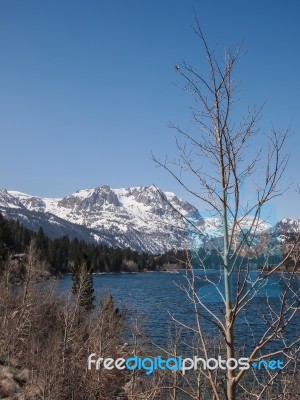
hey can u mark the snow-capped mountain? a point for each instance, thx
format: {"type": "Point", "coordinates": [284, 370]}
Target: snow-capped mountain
{"type": "Point", "coordinates": [143, 218]}
{"type": "Point", "coordinates": [285, 229]}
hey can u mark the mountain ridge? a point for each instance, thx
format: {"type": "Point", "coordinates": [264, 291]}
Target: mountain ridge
{"type": "Point", "coordinates": [143, 218]}
{"type": "Point", "coordinates": [135, 217]}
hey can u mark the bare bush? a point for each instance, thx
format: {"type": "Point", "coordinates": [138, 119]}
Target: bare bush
{"type": "Point", "coordinates": [40, 331]}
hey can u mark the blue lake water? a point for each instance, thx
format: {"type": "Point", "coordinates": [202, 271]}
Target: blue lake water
{"type": "Point", "coordinates": [157, 297]}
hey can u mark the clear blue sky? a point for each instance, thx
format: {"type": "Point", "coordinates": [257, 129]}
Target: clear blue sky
{"type": "Point", "coordinates": [87, 88]}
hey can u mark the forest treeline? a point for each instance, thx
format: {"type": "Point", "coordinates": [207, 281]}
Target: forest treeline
{"type": "Point", "coordinates": [60, 254]}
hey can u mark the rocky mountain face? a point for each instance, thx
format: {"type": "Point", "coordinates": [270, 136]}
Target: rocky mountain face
{"type": "Point", "coordinates": [287, 227]}
{"type": "Point", "coordinates": [143, 218]}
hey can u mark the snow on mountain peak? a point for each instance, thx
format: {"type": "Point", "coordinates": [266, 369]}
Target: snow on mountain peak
{"type": "Point", "coordinates": [143, 218]}
{"type": "Point", "coordinates": [8, 200]}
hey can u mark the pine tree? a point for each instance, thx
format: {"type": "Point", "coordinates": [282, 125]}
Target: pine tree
{"type": "Point", "coordinates": [5, 241]}
{"type": "Point", "coordinates": [83, 283]}
{"type": "Point", "coordinates": [41, 242]}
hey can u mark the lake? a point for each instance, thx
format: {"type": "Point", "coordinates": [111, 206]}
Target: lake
{"type": "Point", "coordinates": [156, 297]}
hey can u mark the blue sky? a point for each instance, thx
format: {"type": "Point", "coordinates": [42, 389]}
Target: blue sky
{"type": "Point", "coordinates": [87, 88]}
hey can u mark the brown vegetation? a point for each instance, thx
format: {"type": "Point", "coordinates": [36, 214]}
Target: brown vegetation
{"type": "Point", "coordinates": [45, 341]}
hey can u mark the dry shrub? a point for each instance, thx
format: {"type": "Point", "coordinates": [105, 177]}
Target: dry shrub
{"type": "Point", "coordinates": [52, 337]}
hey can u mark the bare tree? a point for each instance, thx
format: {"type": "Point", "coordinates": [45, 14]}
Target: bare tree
{"type": "Point", "coordinates": [219, 159]}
